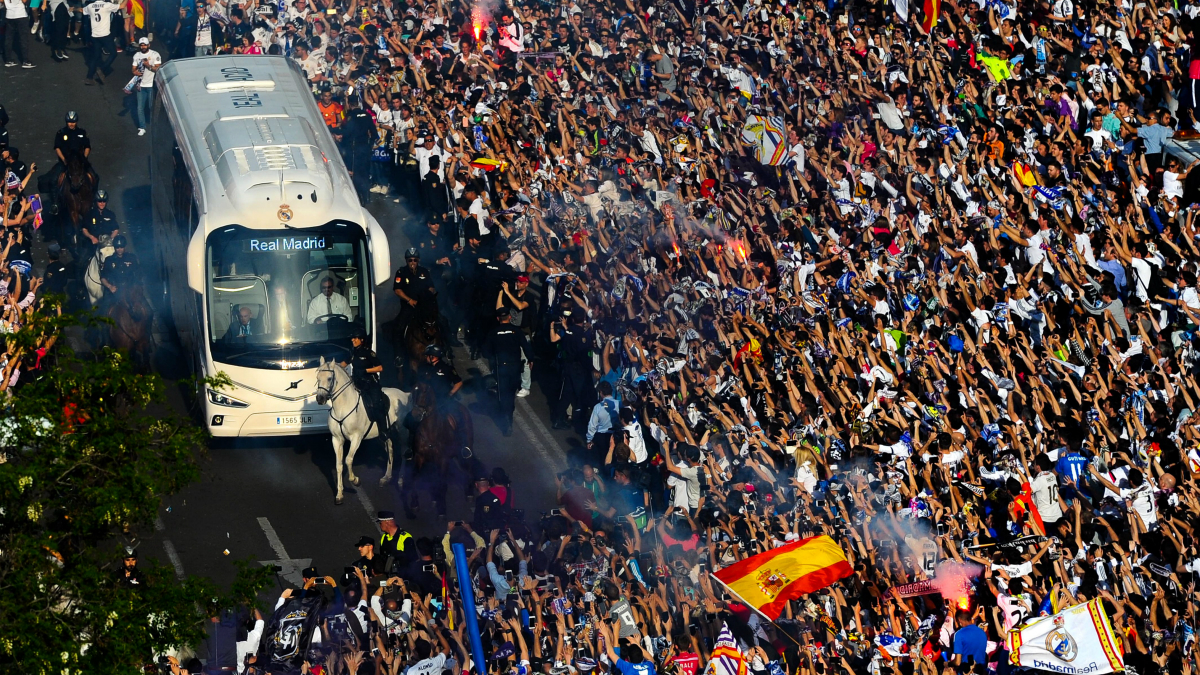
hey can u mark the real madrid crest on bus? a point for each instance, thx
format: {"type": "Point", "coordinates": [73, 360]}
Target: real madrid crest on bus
{"type": "Point", "coordinates": [285, 213]}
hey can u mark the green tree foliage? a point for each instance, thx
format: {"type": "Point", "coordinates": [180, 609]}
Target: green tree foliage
{"type": "Point", "coordinates": [87, 450]}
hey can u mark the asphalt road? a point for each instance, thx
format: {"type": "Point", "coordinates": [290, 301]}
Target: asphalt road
{"type": "Point", "coordinates": [264, 499]}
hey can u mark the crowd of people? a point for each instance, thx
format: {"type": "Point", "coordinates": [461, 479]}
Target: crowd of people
{"type": "Point", "coordinates": [21, 286]}
{"type": "Point", "coordinates": [927, 285]}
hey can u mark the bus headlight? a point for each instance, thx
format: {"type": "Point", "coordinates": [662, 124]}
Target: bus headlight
{"type": "Point", "coordinates": [217, 398]}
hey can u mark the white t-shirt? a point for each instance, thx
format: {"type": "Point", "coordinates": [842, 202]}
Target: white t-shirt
{"type": "Point", "coordinates": [1045, 496]}
{"type": "Point", "coordinates": [423, 154]}
{"type": "Point", "coordinates": [15, 9]}
{"type": "Point", "coordinates": [150, 58]}
{"type": "Point", "coordinates": [1143, 502]}
{"type": "Point", "coordinates": [430, 666]}
{"type": "Point", "coordinates": [100, 14]}
{"type": "Point", "coordinates": [203, 31]}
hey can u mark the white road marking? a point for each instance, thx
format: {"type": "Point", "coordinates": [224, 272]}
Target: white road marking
{"type": "Point", "coordinates": [365, 500]}
{"type": "Point", "coordinates": [173, 556]}
{"type": "Point", "coordinates": [159, 525]}
{"type": "Point", "coordinates": [555, 455]}
{"type": "Point", "coordinates": [289, 568]}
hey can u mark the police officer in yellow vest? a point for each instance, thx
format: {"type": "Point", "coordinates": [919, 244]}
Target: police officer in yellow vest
{"type": "Point", "coordinates": [395, 543]}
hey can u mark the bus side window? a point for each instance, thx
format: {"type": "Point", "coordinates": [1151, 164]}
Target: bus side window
{"type": "Point", "coordinates": [184, 206]}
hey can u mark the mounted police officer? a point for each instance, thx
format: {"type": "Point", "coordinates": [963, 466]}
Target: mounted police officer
{"type": "Point", "coordinates": [365, 370]}
{"type": "Point", "coordinates": [504, 347]}
{"type": "Point", "coordinates": [414, 285]}
{"type": "Point", "coordinates": [100, 222]}
{"type": "Point", "coordinates": [70, 141]}
{"type": "Point", "coordinates": [121, 270]}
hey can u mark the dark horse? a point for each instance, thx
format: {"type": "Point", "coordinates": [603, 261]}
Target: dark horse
{"type": "Point", "coordinates": [442, 440]}
{"type": "Point", "coordinates": [131, 317]}
{"type": "Point", "coordinates": [74, 189]}
{"type": "Point", "coordinates": [418, 335]}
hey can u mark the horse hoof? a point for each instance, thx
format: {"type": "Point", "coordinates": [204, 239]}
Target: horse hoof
{"type": "Point", "coordinates": [355, 481]}
{"type": "Point", "coordinates": [337, 501]}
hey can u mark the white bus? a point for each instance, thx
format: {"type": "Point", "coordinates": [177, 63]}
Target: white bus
{"type": "Point", "coordinates": [268, 259]}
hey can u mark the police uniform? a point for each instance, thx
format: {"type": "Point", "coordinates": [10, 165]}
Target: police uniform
{"type": "Point", "coordinates": [489, 513]}
{"type": "Point", "coordinates": [72, 141]}
{"type": "Point", "coordinates": [441, 376]}
{"type": "Point", "coordinates": [574, 355]}
{"type": "Point", "coordinates": [56, 277]}
{"type": "Point", "coordinates": [120, 270]}
{"type": "Point", "coordinates": [418, 285]}
{"type": "Point", "coordinates": [359, 131]}
{"type": "Point", "coordinates": [99, 222]}
{"type": "Point", "coordinates": [504, 347]}
{"type": "Point", "coordinates": [400, 547]}
{"type": "Point", "coordinates": [434, 196]}
{"type": "Point", "coordinates": [363, 358]}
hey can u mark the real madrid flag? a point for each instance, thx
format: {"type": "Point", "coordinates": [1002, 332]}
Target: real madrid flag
{"type": "Point", "coordinates": [768, 580]}
{"type": "Point", "coordinates": [1079, 639]}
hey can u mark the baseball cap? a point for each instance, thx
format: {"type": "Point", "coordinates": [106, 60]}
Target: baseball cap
{"type": "Point", "coordinates": [365, 541]}
{"type": "Point", "coordinates": [144, 41]}
{"type": "Point", "coordinates": [523, 278]}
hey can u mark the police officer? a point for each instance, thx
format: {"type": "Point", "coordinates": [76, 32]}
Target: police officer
{"type": "Point", "coordinates": [359, 137]}
{"type": "Point", "coordinates": [101, 221]}
{"type": "Point", "coordinates": [128, 575]}
{"type": "Point", "coordinates": [120, 269]}
{"type": "Point", "coordinates": [414, 286]}
{"type": "Point", "coordinates": [365, 370]}
{"type": "Point", "coordinates": [433, 192]}
{"type": "Point", "coordinates": [574, 342]}
{"type": "Point", "coordinates": [489, 510]}
{"type": "Point", "coordinates": [58, 273]}
{"type": "Point", "coordinates": [395, 543]}
{"type": "Point", "coordinates": [369, 561]}
{"type": "Point", "coordinates": [72, 140]}
{"type": "Point", "coordinates": [439, 374]}
{"type": "Point", "coordinates": [504, 348]}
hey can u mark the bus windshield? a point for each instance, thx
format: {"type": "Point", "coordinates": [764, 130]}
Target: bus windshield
{"type": "Point", "coordinates": [281, 299]}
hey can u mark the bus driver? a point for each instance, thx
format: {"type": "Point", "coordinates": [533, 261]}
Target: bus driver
{"type": "Point", "coordinates": [327, 304]}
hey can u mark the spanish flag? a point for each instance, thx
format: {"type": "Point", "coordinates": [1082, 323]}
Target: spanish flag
{"type": "Point", "coordinates": [489, 164]}
{"type": "Point", "coordinates": [769, 580]}
{"type": "Point", "coordinates": [138, 9]}
{"type": "Point", "coordinates": [931, 15]}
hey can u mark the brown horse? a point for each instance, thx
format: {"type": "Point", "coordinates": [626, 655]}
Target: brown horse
{"type": "Point", "coordinates": [417, 336]}
{"type": "Point", "coordinates": [442, 441]}
{"type": "Point", "coordinates": [131, 316]}
{"type": "Point", "coordinates": [74, 193]}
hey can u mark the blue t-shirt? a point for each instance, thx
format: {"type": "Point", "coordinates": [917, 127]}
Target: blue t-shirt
{"type": "Point", "coordinates": [626, 668]}
{"type": "Point", "coordinates": [971, 642]}
{"type": "Point", "coordinates": [1073, 466]}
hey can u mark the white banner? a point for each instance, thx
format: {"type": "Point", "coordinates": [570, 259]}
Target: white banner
{"type": "Point", "coordinates": [1078, 640]}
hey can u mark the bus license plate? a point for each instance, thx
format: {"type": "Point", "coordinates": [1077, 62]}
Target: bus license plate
{"type": "Point", "coordinates": [293, 420]}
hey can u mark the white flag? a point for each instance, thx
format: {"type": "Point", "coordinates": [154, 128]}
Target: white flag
{"type": "Point", "coordinates": [1077, 640]}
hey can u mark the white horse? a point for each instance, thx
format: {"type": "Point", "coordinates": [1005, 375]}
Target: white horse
{"type": "Point", "coordinates": [91, 276]}
{"type": "Point", "coordinates": [348, 419]}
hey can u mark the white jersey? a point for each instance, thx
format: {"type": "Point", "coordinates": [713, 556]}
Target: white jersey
{"type": "Point", "coordinates": [100, 14]}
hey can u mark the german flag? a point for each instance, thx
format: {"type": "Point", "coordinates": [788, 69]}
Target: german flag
{"type": "Point", "coordinates": [932, 7]}
{"type": "Point", "coordinates": [769, 580]}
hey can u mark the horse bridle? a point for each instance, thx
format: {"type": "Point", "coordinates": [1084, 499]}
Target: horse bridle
{"type": "Point", "coordinates": [333, 394]}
